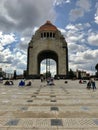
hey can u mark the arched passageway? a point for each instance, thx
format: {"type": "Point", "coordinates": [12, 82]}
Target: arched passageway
{"type": "Point", "coordinates": [48, 57]}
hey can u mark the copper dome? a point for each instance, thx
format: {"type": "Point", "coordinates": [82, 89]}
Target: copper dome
{"type": "Point", "coordinates": [48, 26]}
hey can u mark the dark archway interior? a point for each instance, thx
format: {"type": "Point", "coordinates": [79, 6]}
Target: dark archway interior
{"type": "Point", "coordinates": [47, 55]}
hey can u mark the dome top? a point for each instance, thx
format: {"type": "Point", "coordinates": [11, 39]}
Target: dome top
{"type": "Point", "coordinates": [48, 26]}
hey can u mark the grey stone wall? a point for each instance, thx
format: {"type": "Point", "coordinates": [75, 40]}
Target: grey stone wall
{"type": "Point", "coordinates": [38, 45]}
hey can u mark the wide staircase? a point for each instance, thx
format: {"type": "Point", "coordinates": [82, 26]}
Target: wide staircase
{"type": "Point", "coordinates": [63, 106]}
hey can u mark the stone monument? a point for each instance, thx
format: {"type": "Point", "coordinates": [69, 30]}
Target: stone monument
{"type": "Point", "coordinates": [47, 42]}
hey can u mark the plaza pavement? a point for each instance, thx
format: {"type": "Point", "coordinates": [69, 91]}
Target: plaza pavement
{"type": "Point", "coordinates": [40, 107]}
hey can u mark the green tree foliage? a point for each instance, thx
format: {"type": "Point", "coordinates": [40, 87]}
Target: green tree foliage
{"type": "Point", "coordinates": [96, 67]}
{"type": "Point", "coordinates": [47, 74]}
{"type": "Point", "coordinates": [15, 75]}
{"type": "Point", "coordinates": [71, 74]}
{"type": "Point", "coordinates": [1, 74]}
{"type": "Point", "coordinates": [25, 73]}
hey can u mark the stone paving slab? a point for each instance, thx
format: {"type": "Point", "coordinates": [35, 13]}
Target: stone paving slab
{"type": "Point", "coordinates": [46, 129]}
{"type": "Point", "coordinates": [83, 123]}
{"type": "Point", "coordinates": [42, 107]}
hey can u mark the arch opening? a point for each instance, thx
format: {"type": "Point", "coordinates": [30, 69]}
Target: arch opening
{"type": "Point", "coordinates": [48, 66]}
{"type": "Point", "coordinates": [48, 62]}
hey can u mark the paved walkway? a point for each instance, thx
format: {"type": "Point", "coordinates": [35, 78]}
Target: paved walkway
{"type": "Point", "coordinates": [40, 107]}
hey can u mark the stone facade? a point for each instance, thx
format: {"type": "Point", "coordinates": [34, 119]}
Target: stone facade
{"type": "Point", "coordinates": [48, 42]}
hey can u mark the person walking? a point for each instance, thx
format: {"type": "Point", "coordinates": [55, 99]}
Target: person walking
{"type": "Point", "coordinates": [93, 85]}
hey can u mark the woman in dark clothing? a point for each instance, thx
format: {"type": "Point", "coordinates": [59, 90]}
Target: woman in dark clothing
{"type": "Point", "coordinates": [93, 85]}
{"type": "Point", "coordinates": [89, 84]}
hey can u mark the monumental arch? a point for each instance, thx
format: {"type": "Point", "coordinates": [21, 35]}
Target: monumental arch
{"type": "Point", "coordinates": [47, 42]}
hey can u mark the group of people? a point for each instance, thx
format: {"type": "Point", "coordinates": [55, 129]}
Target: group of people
{"type": "Point", "coordinates": [82, 81]}
{"type": "Point", "coordinates": [22, 83]}
{"type": "Point", "coordinates": [50, 81]}
{"type": "Point", "coordinates": [9, 82]}
{"type": "Point", "coordinates": [91, 84]}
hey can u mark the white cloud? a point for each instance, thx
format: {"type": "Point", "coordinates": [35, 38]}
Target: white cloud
{"type": "Point", "coordinates": [76, 13]}
{"type": "Point", "coordinates": [6, 39]}
{"type": "Point", "coordinates": [74, 48]}
{"type": "Point", "coordinates": [85, 60]}
{"type": "Point", "coordinates": [77, 27]}
{"type": "Point", "coordinates": [93, 39]}
{"type": "Point", "coordinates": [22, 39]}
{"type": "Point", "coordinates": [74, 37]}
{"type": "Point", "coordinates": [77, 34]}
{"type": "Point", "coordinates": [23, 15]}
{"type": "Point", "coordinates": [23, 44]}
{"type": "Point", "coordinates": [72, 27]}
{"type": "Point", "coordinates": [80, 55]}
{"type": "Point", "coordinates": [13, 60]}
{"type": "Point", "coordinates": [6, 52]}
{"type": "Point", "coordinates": [59, 2]}
{"type": "Point", "coordinates": [96, 16]}
{"type": "Point", "coordinates": [82, 6]}
{"type": "Point", "coordinates": [6, 59]}
{"type": "Point", "coordinates": [96, 19]}
{"type": "Point", "coordinates": [1, 47]}
{"type": "Point", "coordinates": [19, 61]}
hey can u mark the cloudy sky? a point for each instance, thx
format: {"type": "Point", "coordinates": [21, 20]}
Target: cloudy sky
{"type": "Point", "coordinates": [76, 19]}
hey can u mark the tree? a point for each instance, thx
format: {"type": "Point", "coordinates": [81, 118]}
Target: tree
{"type": "Point", "coordinates": [96, 67]}
{"type": "Point", "coordinates": [1, 74]}
{"type": "Point", "coordinates": [47, 74]}
{"type": "Point", "coordinates": [71, 74]}
{"type": "Point", "coordinates": [15, 75]}
{"type": "Point", "coordinates": [24, 73]}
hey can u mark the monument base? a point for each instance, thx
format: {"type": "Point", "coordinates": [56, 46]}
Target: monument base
{"type": "Point", "coordinates": [35, 76]}
{"type": "Point", "coordinates": [60, 77]}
